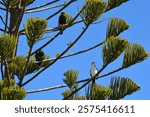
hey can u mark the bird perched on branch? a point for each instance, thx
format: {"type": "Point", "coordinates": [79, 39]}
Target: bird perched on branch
{"type": "Point", "coordinates": [62, 21]}
{"type": "Point", "coordinates": [39, 56]}
{"type": "Point", "coordinates": [93, 71]}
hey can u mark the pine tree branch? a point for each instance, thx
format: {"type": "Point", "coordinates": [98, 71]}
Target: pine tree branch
{"type": "Point", "coordinates": [1, 3]}
{"type": "Point", "coordinates": [57, 28]}
{"type": "Point", "coordinates": [2, 30]}
{"type": "Point", "coordinates": [3, 22]}
{"type": "Point", "coordinates": [80, 81]}
{"type": "Point", "coordinates": [73, 54]}
{"type": "Point", "coordinates": [2, 9]}
{"type": "Point", "coordinates": [67, 4]}
{"type": "Point", "coordinates": [112, 72]}
{"type": "Point", "coordinates": [46, 43]}
{"type": "Point", "coordinates": [64, 85]}
{"type": "Point", "coordinates": [22, 32]}
{"type": "Point", "coordinates": [46, 89]}
{"type": "Point", "coordinates": [44, 9]}
{"type": "Point", "coordinates": [41, 6]}
{"type": "Point", "coordinates": [26, 65]}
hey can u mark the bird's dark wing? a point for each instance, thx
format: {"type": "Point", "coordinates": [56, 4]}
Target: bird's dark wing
{"type": "Point", "coordinates": [39, 56]}
{"type": "Point", "coordinates": [62, 20]}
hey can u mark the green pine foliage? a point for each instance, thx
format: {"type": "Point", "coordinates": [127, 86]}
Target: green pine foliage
{"type": "Point", "coordinates": [114, 3]}
{"type": "Point", "coordinates": [97, 92]}
{"type": "Point", "coordinates": [112, 49]}
{"type": "Point", "coordinates": [71, 78]}
{"type": "Point", "coordinates": [116, 26]}
{"type": "Point", "coordinates": [66, 93]}
{"type": "Point", "coordinates": [7, 44]}
{"type": "Point", "coordinates": [8, 91]}
{"type": "Point", "coordinates": [122, 87]}
{"type": "Point", "coordinates": [134, 53]}
{"type": "Point", "coordinates": [92, 11]}
{"type": "Point", "coordinates": [35, 29]}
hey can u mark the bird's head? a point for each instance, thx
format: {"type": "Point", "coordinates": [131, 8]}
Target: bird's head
{"type": "Point", "coordinates": [94, 64]}
{"type": "Point", "coordinates": [62, 13]}
{"type": "Point", "coordinates": [40, 52]}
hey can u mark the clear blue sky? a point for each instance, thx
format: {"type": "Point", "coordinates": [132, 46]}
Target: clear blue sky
{"type": "Point", "coordinates": [134, 12]}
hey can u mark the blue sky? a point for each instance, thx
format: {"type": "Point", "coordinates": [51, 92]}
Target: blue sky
{"type": "Point", "coordinates": [134, 12]}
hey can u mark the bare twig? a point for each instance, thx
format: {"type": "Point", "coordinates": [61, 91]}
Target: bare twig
{"type": "Point", "coordinates": [44, 9]}
{"type": "Point", "coordinates": [41, 6]}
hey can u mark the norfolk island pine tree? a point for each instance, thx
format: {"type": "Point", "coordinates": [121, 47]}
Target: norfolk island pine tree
{"type": "Point", "coordinates": [19, 70]}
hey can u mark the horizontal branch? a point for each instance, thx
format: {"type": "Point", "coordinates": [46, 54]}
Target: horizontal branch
{"type": "Point", "coordinates": [41, 6]}
{"type": "Point", "coordinates": [73, 54]}
{"type": "Point", "coordinates": [22, 32]}
{"type": "Point", "coordinates": [80, 81]}
{"type": "Point", "coordinates": [44, 9]}
{"type": "Point", "coordinates": [47, 89]}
